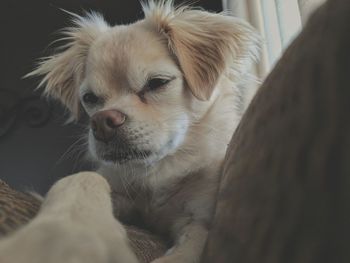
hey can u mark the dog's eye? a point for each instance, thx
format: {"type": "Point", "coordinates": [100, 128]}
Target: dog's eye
{"type": "Point", "coordinates": [156, 83]}
{"type": "Point", "coordinates": [90, 98]}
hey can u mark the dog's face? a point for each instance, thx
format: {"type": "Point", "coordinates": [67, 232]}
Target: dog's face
{"type": "Point", "coordinates": [134, 93]}
{"type": "Point", "coordinates": [144, 85]}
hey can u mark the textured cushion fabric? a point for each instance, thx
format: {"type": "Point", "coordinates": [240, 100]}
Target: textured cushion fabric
{"type": "Point", "coordinates": [17, 209]}
{"type": "Point", "coordinates": [146, 245]}
{"type": "Point", "coordinates": [285, 190]}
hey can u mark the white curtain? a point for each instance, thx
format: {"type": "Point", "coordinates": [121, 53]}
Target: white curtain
{"type": "Point", "coordinates": [278, 22]}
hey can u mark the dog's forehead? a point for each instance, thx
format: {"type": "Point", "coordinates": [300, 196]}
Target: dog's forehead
{"type": "Point", "coordinates": [128, 53]}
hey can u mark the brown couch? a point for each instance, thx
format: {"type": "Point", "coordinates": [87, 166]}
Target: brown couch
{"type": "Point", "coordinates": [285, 189]}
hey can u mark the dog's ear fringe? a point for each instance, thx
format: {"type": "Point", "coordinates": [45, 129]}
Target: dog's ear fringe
{"type": "Point", "coordinates": [62, 72]}
{"type": "Point", "coordinates": [204, 43]}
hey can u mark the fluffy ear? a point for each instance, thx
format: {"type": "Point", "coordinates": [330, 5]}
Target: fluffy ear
{"type": "Point", "coordinates": [205, 44]}
{"type": "Point", "coordinates": [62, 72]}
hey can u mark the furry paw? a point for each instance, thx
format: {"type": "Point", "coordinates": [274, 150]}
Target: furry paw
{"type": "Point", "coordinates": [75, 224]}
{"type": "Point", "coordinates": [55, 242]}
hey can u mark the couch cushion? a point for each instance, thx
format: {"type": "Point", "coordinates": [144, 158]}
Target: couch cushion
{"type": "Point", "coordinates": [285, 191]}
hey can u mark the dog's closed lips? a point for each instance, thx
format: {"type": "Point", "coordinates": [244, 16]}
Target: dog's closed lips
{"type": "Point", "coordinates": [124, 155]}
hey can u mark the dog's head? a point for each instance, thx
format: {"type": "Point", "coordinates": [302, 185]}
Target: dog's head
{"type": "Point", "coordinates": [143, 85]}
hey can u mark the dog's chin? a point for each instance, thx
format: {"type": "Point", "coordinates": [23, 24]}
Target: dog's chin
{"type": "Point", "coordinates": [123, 152]}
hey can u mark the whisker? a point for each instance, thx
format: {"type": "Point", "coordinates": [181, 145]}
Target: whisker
{"type": "Point", "coordinates": [73, 147]}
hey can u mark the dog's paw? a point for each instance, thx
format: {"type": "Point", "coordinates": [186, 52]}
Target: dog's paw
{"type": "Point", "coordinates": [86, 192]}
{"type": "Point", "coordinates": [55, 242]}
{"type": "Point", "coordinates": [75, 224]}
{"type": "Point", "coordinates": [51, 242]}
{"type": "Point", "coordinates": [83, 181]}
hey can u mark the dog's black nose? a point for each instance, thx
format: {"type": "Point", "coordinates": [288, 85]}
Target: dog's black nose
{"type": "Point", "coordinates": [105, 123]}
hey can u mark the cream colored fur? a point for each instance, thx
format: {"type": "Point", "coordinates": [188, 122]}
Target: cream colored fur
{"type": "Point", "coordinates": [184, 126]}
{"type": "Point", "coordinates": [75, 224]}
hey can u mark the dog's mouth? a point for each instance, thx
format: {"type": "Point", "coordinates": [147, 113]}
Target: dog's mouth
{"type": "Point", "coordinates": [123, 150]}
{"type": "Point", "coordinates": [124, 156]}
{"type": "Point", "coordinates": [118, 150]}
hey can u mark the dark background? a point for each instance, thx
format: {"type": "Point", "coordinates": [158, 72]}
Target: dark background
{"type": "Point", "coordinates": [36, 148]}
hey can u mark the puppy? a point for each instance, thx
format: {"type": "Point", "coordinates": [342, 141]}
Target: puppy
{"type": "Point", "coordinates": [163, 99]}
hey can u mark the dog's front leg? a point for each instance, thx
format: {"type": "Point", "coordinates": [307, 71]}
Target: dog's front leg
{"type": "Point", "coordinates": [188, 246]}
{"type": "Point", "coordinates": [75, 224]}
